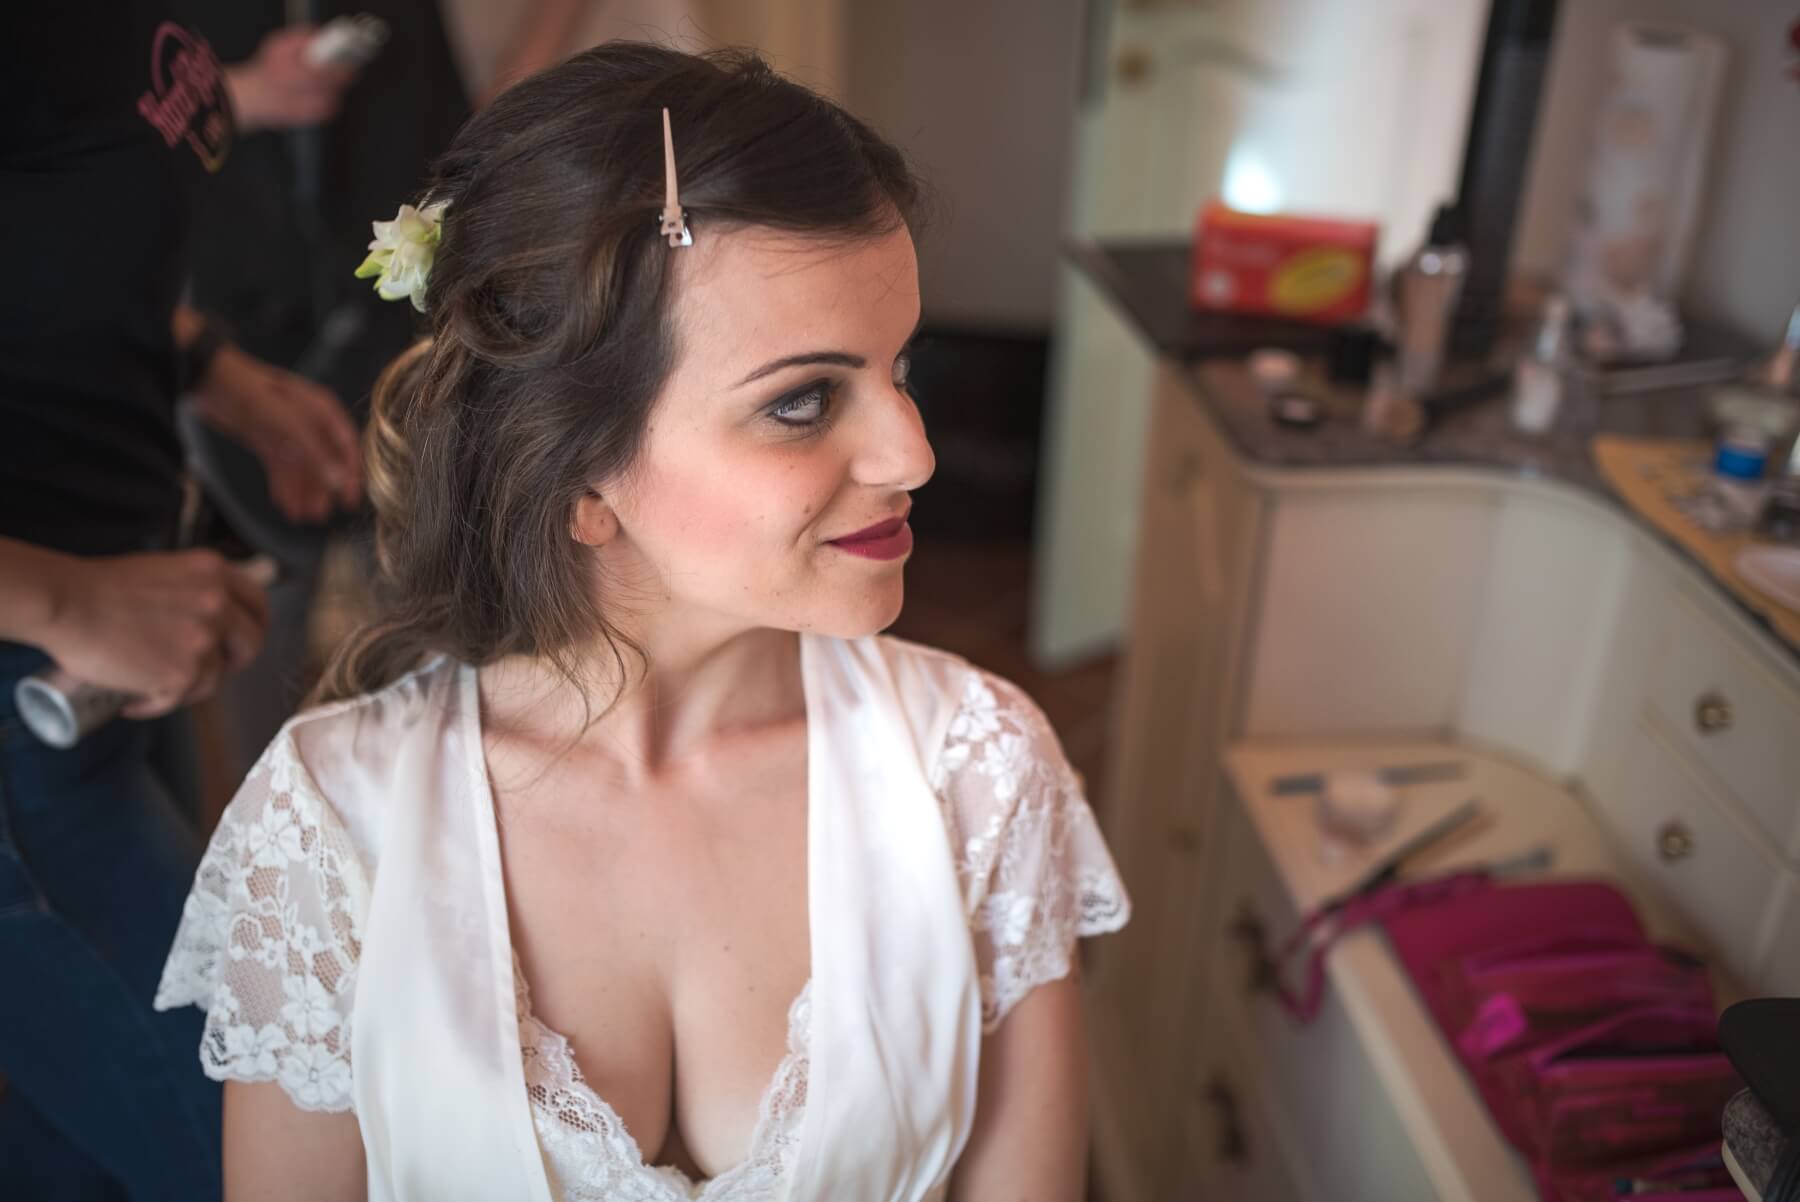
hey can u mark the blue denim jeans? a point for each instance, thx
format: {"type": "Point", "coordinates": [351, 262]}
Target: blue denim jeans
{"type": "Point", "coordinates": [104, 1097]}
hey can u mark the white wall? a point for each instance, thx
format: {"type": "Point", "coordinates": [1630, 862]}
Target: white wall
{"type": "Point", "coordinates": [981, 96]}
{"type": "Point", "coordinates": [1745, 269]}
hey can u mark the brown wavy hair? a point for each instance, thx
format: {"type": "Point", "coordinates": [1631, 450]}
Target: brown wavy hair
{"type": "Point", "coordinates": [550, 334]}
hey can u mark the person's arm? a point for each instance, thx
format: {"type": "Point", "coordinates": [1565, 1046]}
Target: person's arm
{"type": "Point", "coordinates": [277, 1152]}
{"type": "Point", "coordinates": [1030, 1138]}
{"type": "Point", "coordinates": [33, 590]}
{"type": "Point", "coordinates": [276, 88]}
{"type": "Point", "coordinates": [300, 431]}
{"type": "Point", "coordinates": [163, 627]}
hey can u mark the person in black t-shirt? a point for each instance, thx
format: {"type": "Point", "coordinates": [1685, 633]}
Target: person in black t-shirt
{"type": "Point", "coordinates": [115, 114]}
{"type": "Point", "coordinates": [282, 226]}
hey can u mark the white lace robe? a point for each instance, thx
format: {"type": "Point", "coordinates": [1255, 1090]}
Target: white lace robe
{"type": "Point", "coordinates": [271, 940]}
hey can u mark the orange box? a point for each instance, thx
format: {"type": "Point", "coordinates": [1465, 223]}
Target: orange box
{"type": "Point", "coordinates": [1309, 268]}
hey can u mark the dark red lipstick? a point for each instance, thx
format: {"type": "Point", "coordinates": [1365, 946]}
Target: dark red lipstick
{"type": "Point", "coordinates": [884, 540]}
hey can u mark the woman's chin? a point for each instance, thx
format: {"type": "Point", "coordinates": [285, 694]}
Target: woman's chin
{"type": "Point", "coordinates": [869, 612]}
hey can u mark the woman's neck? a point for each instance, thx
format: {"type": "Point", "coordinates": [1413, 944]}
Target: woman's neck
{"type": "Point", "coordinates": [692, 690]}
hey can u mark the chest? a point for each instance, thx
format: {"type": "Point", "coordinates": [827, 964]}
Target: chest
{"type": "Point", "coordinates": [663, 930]}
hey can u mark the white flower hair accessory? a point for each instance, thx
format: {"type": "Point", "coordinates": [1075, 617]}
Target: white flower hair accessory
{"type": "Point", "coordinates": [401, 255]}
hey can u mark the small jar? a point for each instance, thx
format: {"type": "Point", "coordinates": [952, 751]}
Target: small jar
{"type": "Point", "coordinates": [1739, 465]}
{"type": "Point", "coordinates": [1742, 453]}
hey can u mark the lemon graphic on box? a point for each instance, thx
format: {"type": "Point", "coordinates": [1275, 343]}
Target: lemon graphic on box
{"type": "Point", "coordinates": [1315, 279]}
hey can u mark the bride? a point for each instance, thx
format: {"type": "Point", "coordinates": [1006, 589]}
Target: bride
{"type": "Point", "coordinates": [622, 859]}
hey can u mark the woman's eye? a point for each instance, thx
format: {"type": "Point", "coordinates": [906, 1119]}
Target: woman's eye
{"type": "Point", "coordinates": [902, 369]}
{"type": "Point", "coordinates": [803, 409]}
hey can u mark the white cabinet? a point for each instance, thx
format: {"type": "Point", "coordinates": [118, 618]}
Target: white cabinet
{"type": "Point", "coordinates": [1474, 609]}
{"type": "Point", "coordinates": [1689, 848]}
{"type": "Point", "coordinates": [1731, 714]}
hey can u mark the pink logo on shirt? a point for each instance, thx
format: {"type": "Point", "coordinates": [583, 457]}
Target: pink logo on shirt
{"type": "Point", "coordinates": [186, 99]}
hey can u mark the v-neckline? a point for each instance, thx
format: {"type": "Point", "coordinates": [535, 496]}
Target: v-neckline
{"type": "Point", "coordinates": [798, 1046]}
{"type": "Point", "coordinates": [511, 966]}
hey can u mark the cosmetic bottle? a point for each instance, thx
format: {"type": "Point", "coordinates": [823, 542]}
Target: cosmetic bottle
{"type": "Point", "coordinates": [1426, 291]}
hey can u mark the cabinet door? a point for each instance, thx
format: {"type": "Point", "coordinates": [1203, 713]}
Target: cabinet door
{"type": "Point", "coordinates": [1319, 1081]}
{"type": "Point", "coordinates": [1160, 675]}
{"type": "Point", "coordinates": [1139, 974]}
{"type": "Point", "coordinates": [1195, 575]}
{"type": "Point", "coordinates": [1228, 1150]}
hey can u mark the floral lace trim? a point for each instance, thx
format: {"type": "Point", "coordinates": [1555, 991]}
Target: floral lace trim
{"type": "Point", "coordinates": [776, 1136]}
{"type": "Point", "coordinates": [268, 943]}
{"type": "Point", "coordinates": [594, 1158]}
{"type": "Point", "coordinates": [1035, 869]}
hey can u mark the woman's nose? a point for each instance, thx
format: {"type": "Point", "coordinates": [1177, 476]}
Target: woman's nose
{"type": "Point", "coordinates": [895, 452]}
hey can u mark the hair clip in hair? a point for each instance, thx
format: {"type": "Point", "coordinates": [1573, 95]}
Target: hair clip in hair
{"type": "Point", "coordinates": [674, 218]}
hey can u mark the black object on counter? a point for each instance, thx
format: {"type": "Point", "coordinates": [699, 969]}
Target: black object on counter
{"type": "Point", "coordinates": [1514, 57]}
{"type": "Point", "coordinates": [1350, 356]}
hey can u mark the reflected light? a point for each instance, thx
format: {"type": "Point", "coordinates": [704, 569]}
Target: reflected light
{"type": "Point", "coordinates": [1249, 186]}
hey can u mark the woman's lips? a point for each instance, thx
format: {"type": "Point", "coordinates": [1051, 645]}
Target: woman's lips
{"type": "Point", "coordinates": [885, 540]}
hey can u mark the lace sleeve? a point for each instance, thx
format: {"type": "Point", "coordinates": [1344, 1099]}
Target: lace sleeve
{"type": "Point", "coordinates": [268, 942]}
{"type": "Point", "coordinates": [1036, 873]}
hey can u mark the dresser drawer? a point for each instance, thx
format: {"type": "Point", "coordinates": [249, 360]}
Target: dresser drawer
{"type": "Point", "coordinates": [1321, 1085]}
{"type": "Point", "coordinates": [1693, 853]}
{"type": "Point", "coordinates": [1229, 1145]}
{"type": "Point", "coordinates": [1735, 717]}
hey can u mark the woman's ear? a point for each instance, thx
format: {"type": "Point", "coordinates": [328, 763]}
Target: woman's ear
{"type": "Point", "coordinates": [592, 521]}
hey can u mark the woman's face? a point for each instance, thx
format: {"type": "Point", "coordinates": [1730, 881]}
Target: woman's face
{"type": "Point", "coordinates": [779, 455]}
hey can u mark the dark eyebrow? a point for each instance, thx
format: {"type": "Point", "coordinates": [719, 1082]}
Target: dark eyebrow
{"type": "Point", "coordinates": [835, 358]}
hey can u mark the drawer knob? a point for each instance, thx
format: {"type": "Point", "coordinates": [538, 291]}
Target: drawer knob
{"type": "Point", "coordinates": [1674, 841]}
{"type": "Point", "coordinates": [1135, 66]}
{"type": "Point", "coordinates": [1712, 713]}
{"type": "Point", "coordinates": [1233, 1147]}
{"type": "Point", "coordinates": [1253, 936]}
{"type": "Point", "coordinates": [1184, 837]}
